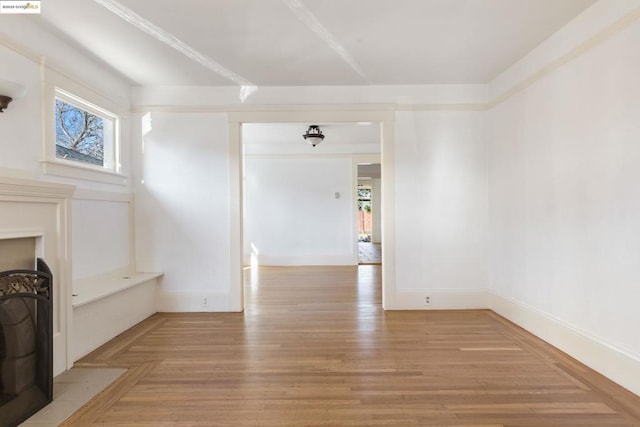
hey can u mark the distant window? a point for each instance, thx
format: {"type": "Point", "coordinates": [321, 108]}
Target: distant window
{"type": "Point", "coordinates": [364, 213]}
{"type": "Point", "coordinates": [84, 132]}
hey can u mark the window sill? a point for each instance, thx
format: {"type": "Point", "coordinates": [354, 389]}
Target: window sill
{"type": "Point", "coordinates": [58, 168]}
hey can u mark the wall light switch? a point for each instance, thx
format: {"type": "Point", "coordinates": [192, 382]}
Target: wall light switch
{"type": "Point", "coordinates": [337, 195]}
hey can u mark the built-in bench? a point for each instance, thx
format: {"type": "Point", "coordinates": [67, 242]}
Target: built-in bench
{"type": "Point", "coordinates": [105, 306]}
{"type": "Point", "coordinates": [86, 291]}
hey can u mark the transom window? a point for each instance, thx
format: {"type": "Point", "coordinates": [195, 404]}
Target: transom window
{"type": "Point", "coordinates": [84, 132]}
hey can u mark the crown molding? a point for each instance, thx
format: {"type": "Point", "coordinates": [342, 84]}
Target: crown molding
{"type": "Point", "coordinates": [442, 107]}
{"type": "Point", "coordinates": [625, 21]}
{"type": "Point", "coordinates": [19, 48]}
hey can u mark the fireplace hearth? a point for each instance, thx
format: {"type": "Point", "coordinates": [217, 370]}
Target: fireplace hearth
{"type": "Point", "coordinates": [26, 343]}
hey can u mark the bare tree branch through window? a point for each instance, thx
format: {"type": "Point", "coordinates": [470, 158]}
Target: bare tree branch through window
{"type": "Point", "coordinates": [80, 131]}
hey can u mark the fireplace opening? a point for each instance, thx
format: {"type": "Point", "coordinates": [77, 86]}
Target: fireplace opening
{"type": "Point", "coordinates": [26, 343]}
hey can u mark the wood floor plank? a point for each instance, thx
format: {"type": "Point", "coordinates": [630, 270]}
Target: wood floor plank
{"type": "Point", "coordinates": [117, 345]}
{"type": "Point", "coordinates": [315, 348]}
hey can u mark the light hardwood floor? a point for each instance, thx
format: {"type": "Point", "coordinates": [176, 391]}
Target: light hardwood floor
{"type": "Point", "coordinates": [314, 348]}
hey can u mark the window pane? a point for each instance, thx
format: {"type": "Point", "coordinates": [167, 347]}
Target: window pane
{"type": "Point", "coordinates": [79, 134]}
{"type": "Point", "coordinates": [364, 192]}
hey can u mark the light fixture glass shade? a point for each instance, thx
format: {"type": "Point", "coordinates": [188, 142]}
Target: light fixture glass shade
{"type": "Point", "coordinates": [10, 91]}
{"type": "Point", "coordinates": [314, 135]}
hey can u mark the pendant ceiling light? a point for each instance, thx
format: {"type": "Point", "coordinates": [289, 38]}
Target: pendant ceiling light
{"type": "Point", "coordinates": [314, 135]}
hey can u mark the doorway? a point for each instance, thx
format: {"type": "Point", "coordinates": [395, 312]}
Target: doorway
{"type": "Point", "coordinates": [385, 122]}
{"type": "Point", "coordinates": [369, 220]}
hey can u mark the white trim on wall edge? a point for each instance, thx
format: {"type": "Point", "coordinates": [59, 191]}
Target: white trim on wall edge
{"type": "Point", "coordinates": [27, 187]}
{"type": "Point", "coordinates": [441, 299]}
{"type": "Point", "coordinates": [190, 301]}
{"type": "Point", "coordinates": [612, 362]}
{"type": "Point", "coordinates": [259, 108]}
{"type": "Point", "coordinates": [102, 196]}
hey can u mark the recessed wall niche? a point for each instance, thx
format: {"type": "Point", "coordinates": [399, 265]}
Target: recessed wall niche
{"type": "Point", "coordinates": [18, 253]}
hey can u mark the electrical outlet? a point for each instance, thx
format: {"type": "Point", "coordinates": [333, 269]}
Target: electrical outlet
{"type": "Point", "coordinates": [205, 302]}
{"type": "Point", "coordinates": [427, 300]}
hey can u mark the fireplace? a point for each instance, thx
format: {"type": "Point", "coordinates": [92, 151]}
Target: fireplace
{"type": "Point", "coordinates": [26, 343]}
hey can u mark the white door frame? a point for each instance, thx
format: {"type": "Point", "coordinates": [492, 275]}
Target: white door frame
{"type": "Point", "coordinates": [309, 114]}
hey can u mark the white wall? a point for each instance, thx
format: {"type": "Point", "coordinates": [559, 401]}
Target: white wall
{"type": "Point", "coordinates": [182, 209]}
{"type": "Point", "coordinates": [100, 237]}
{"type": "Point", "coordinates": [20, 140]}
{"type": "Point", "coordinates": [441, 203]}
{"type": "Point", "coordinates": [565, 206]}
{"type": "Point", "coordinates": [464, 135]}
{"type": "Point", "coordinates": [21, 136]}
{"type": "Point", "coordinates": [292, 215]}
{"type": "Point", "coordinates": [100, 229]}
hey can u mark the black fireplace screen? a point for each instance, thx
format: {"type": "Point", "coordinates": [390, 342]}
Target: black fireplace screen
{"type": "Point", "coordinates": [26, 343]}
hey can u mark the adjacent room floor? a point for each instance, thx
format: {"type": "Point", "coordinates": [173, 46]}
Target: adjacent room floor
{"type": "Point", "coordinates": [314, 347]}
{"type": "Point", "coordinates": [369, 253]}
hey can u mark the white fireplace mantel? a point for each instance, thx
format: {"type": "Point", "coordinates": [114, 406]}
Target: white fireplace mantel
{"type": "Point", "coordinates": [20, 187]}
{"type": "Point", "coordinates": [41, 209]}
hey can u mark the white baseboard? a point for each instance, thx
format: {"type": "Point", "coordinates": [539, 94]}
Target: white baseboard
{"type": "Point", "coordinates": [612, 362]}
{"type": "Point", "coordinates": [441, 299]}
{"type": "Point", "coordinates": [191, 301]}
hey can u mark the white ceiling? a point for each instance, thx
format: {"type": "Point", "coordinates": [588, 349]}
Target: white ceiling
{"type": "Point", "coordinates": [308, 42]}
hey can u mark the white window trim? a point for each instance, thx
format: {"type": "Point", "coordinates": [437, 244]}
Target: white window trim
{"type": "Point", "coordinates": [56, 85]}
